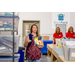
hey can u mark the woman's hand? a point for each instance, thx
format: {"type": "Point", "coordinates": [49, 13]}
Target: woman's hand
{"type": "Point", "coordinates": [40, 46]}
{"type": "Point", "coordinates": [27, 41]}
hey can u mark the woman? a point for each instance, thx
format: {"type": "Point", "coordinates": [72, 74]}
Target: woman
{"type": "Point", "coordinates": [57, 35]}
{"type": "Point", "coordinates": [33, 53]}
{"type": "Point", "coordinates": [70, 33]}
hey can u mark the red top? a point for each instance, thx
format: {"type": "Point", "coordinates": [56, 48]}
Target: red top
{"type": "Point", "coordinates": [70, 35]}
{"type": "Point", "coordinates": [57, 35]}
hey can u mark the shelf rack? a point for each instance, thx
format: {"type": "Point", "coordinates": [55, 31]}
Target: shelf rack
{"type": "Point", "coordinates": [11, 16]}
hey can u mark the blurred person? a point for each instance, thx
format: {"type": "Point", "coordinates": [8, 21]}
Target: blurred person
{"type": "Point", "coordinates": [33, 53]}
{"type": "Point", "coordinates": [70, 33]}
{"type": "Point", "coordinates": [57, 35]}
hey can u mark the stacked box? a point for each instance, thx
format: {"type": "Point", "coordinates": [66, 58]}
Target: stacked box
{"type": "Point", "coordinates": [45, 37]}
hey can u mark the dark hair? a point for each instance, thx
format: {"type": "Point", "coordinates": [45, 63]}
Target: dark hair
{"type": "Point", "coordinates": [37, 29]}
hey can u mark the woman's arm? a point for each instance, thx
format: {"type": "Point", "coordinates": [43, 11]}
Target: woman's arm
{"type": "Point", "coordinates": [53, 39]}
{"type": "Point", "coordinates": [67, 35]}
{"type": "Point", "coordinates": [27, 41]}
{"type": "Point", "coordinates": [61, 35]}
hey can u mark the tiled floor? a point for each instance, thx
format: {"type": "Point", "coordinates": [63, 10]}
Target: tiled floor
{"type": "Point", "coordinates": [44, 58]}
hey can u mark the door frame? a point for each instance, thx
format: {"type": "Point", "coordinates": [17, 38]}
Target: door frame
{"type": "Point", "coordinates": [23, 25]}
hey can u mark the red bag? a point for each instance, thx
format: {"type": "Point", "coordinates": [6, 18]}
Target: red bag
{"type": "Point", "coordinates": [33, 52]}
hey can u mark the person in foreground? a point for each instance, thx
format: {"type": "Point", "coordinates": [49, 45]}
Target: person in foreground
{"type": "Point", "coordinates": [70, 33]}
{"type": "Point", "coordinates": [57, 35]}
{"type": "Point", "coordinates": [33, 53]}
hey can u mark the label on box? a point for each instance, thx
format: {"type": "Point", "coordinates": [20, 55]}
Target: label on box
{"type": "Point", "coordinates": [73, 54]}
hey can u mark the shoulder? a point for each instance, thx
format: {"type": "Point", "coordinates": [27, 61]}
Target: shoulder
{"type": "Point", "coordinates": [29, 35]}
{"type": "Point", "coordinates": [73, 32]}
{"type": "Point", "coordinates": [67, 33]}
{"type": "Point", "coordinates": [54, 33]}
{"type": "Point", "coordinates": [61, 33]}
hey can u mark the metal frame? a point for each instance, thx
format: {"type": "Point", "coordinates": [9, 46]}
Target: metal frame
{"type": "Point", "coordinates": [13, 36]}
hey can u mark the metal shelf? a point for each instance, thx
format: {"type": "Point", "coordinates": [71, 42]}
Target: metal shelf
{"type": "Point", "coordinates": [10, 30]}
{"type": "Point", "coordinates": [13, 18]}
{"type": "Point", "coordinates": [6, 54]}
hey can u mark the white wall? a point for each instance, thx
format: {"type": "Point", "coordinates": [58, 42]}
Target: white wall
{"type": "Point", "coordinates": [72, 19]}
{"type": "Point", "coordinates": [45, 21]}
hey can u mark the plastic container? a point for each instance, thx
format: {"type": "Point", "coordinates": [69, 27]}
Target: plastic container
{"type": "Point", "coordinates": [59, 44]}
{"type": "Point", "coordinates": [6, 22]}
{"type": "Point", "coordinates": [22, 54]}
{"type": "Point", "coordinates": [57, 41]}
{"type": "Point", "coordinates": [45, 42]}
{"type": "Point", "coordinates": [69, 52]}
{"type": "Point", "coordinates": [9, 13]}
{"type": "Point", "coordinates": [6, 44]}
{"type": "Point", "coordinates": [2, 13]}
{"type": "Point", "coordinates": [9, 58]}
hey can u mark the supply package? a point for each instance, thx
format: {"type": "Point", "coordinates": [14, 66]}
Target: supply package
{"type": "Point", "coordinates": [38, 40]}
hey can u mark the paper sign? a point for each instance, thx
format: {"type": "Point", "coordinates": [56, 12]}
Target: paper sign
{"type": "Point", "coordinates": [60, 18]}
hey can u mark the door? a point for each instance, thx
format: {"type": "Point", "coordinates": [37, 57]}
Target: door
{"type": "Point", "coordinates": [27, 26]}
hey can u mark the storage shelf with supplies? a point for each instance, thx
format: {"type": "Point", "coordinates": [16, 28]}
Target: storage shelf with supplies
{"type": "Point", "coordinates": [6, 22]}
{"type": "Point", "coordinates": [9, 23]}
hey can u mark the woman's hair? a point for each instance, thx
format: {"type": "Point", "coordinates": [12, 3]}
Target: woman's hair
{"type": "Point", "coordinates": [37, 33]}
{"type": "Point", "coordinates": [56, 30]}
{"type": "Point", "coordinates": [70, 28]}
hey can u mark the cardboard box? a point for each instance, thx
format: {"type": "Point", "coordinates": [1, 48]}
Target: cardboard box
{"type": "Point", "coordinates": [45, 37]}
{"type": "Point", "coordinates": [26, 26]}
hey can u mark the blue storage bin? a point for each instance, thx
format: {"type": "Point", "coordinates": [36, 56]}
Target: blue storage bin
{"type": "Point", "coordinates": [21, 52]}
{"type": "Point", "coordinates": [6, 22]}
{"type": "Point", "coordinates": [44, 49]}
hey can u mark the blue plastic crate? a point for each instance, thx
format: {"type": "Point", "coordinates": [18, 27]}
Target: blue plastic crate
{"type": "Point", "coordinates": [21, 52]}
{"type": "Point", "coordinates": [44, 49]}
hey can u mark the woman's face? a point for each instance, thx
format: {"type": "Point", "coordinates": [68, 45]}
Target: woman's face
{"type": "Point", "coordinates": [58, 30]}
{"type": "Point", "coordinates": [34, 29]}
{"type": "Point", "coordinates": [71, 29]}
